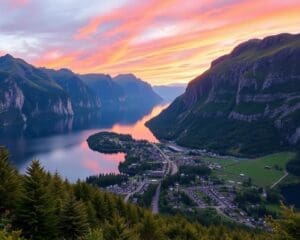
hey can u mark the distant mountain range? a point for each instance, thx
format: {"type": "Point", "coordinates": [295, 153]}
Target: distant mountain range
{"type": "Point", "coordinates": [28, 92]}
{"type": "Point", "coordinates": [171, 91]}
{"type": "Point", "coordinates": [247, 103]}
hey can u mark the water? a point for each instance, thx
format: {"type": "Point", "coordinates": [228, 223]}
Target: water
{"type": "Point", "coordinates": [61, 145]}
{"type": "Point", "coordinates": [291, 194]}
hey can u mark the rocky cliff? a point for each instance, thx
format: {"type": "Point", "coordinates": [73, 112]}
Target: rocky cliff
{"type": "Point", "coordinates": [247, 103]}
{"type": "Point", "coordinates": [27, 92]}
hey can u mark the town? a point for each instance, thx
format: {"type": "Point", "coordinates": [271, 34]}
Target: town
{"type": "Point", "coordinates": [168, 178]}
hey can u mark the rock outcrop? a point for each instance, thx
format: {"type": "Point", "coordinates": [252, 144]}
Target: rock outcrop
{"type": "Point", "coordinates": [27, 92]}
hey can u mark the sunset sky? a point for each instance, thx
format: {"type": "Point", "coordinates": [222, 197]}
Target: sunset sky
{"type": "Point", "coordinates": [160, 41]}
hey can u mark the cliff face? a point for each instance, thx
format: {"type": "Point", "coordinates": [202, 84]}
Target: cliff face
{"type": "Point", "coordinates": [26, 92]}
{"type": "Point", "coordinates": [82, 97]}
{"type": "Point", "coordinates": [247, 102]}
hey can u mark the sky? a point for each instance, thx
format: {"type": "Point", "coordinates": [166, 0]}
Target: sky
{"type": "Point", "coordinates": [160, 41]}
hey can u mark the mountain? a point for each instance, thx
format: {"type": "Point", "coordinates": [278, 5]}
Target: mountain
{"type": "Point", "coordinates": [27, 92]}
{"type": "Point", "coordinates": [247, 103]}
{"type": "Point", "coordinates": [105, 88]}
{"type": "Point", "coordinates": [171, 91]}
{"type": "Point", "coordinates": [124, 92]}
{"type": "Point", "coordinates": [82, 97]}
{"type": "Point", "coordinates": [137, 93]}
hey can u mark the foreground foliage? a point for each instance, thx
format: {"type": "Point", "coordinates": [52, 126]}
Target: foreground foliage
{"type": "Point", "coordinates": [40, 206]}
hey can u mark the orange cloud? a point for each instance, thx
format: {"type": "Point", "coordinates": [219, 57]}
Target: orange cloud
{"type": "Point", "coordinates": [201, 32]}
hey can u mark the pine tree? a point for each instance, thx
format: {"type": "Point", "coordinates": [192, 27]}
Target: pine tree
{"type": "Point", "coordinates": [9, 183]}
{"type": "Point", "coordinates": [132, 214]}
{"type": "Point", "coordinates": [82, 191]}
{"type": "Point", "coordinates": [15, 235]}
{"type": "Point", "coordinates": [35, 214]}
{"type": "Point", "coordinates": [96, 234]}
{"type": "Point", "coordinates": [120, 207]}
{"type": "Point", "coordinates": [149, 228]}
{"type": "Point", "coordinates": [100, 207]}
{"type": "Point", "coordinates": [287, 228]}
{"type": "Point", "coordinates": [73, 220]}
{"type": "Point", "coordinates": [58, 192]}
{"type": "Point", "coordinates": [91, 214]}
{"type": "Point", "coordinates": [118, 230]}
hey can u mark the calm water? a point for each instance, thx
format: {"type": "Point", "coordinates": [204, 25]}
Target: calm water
{"type": "Point", "coordinates": [61, 145]}
{"type": "Point", "coordinates": [292, 195]}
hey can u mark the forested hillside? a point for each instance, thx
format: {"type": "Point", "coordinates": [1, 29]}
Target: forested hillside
{"type": "Point", "coordinates": [39, 205]}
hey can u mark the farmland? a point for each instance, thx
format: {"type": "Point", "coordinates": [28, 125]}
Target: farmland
{"type": "Point", "coordinates": [263, 171]}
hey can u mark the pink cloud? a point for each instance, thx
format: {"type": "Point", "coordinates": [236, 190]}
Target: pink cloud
{"type": "Point", "coordinates": [171, 40]}
{"type": "Point", "coordinates": [20, 3]}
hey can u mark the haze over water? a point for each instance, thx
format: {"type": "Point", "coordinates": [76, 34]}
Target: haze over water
{"type": "Point", "coordinates": [68, 152]}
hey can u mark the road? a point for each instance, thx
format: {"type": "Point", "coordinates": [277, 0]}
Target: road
{"type": "Point", "coordinates": [135, 191]}
{"type": "Point", "coordinates": [171, 169]}
{"type": "Point", "coordinates": [280, 179]}
{"type": "Point", "coordinates": [155, 200]}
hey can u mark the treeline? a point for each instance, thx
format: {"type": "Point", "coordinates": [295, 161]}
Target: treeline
{"type": "Point", "coordinates": [43, 206]}
{"type": "Point", "coordinates": [104, 180]}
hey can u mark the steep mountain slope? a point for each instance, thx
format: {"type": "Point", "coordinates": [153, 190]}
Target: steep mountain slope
{"type": "Point", "coordinates": [247, 103]}
{"type": "Point", "coordinates": [27, 92]}
{"type": "Point", "coordinates": [105, 88]}
{"type": "Point", "coordinates": [137, 93]}
{"type": "Point", "coordinates": [82, 97]}
{"type": "Point", "coordinates": [171, 91]}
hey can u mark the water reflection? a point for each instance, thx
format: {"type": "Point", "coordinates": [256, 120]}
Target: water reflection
{"type": "Point", "coordinates": [61, 145]}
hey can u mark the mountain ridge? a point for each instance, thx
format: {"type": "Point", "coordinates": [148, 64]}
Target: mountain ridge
{"type": "Point", "coordinates": [28, 92]}
{"type": "Point", "coordinates": [250, 96]}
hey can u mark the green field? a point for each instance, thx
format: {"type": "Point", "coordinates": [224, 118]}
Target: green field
{"type": "Point", "coordinates": [261, 170]}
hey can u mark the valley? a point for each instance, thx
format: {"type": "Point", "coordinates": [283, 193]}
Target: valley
{"type": "Point", "coordinates": [149, 120]}
{"type": "Point", "coordinates": [171, 179]}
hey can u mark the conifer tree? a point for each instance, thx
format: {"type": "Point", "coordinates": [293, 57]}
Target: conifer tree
{"type": "Point", "coordinates": [59, 192]}
{"type": "Point", "coordinates": [132, 214]}
{"type": "Point", "coordinates": [91, 214]}
{"type": "Point", "coordinates": [73, 220]}
{"type": "Point", "coordinates": [100, 207]}
{"type": "Point", "coordinates": [149, 228]}
{"type": "Point", "coordinates": [287, 228]}
{"type": "Point", "coordinates": [120, 206]}
{"type": "Point", "coordinates": [96, 234]}
{"type": "Point", "coordinates": [9, 183]}
{"type": "Point", "coordinates": [36, 215]}
{"type": "Point", "coordinates": [118, 230]}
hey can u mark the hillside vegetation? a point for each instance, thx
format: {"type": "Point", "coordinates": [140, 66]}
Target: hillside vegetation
{"type": "Point", "coordinates": [246, 104]}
